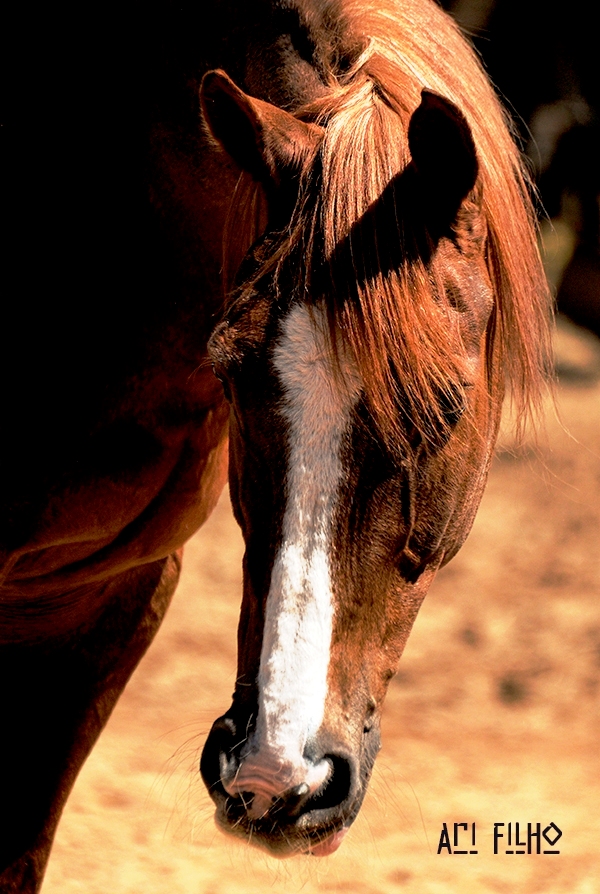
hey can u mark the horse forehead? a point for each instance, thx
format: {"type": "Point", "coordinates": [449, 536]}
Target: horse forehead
{"type": "Point", "coordinates": [318, 388]}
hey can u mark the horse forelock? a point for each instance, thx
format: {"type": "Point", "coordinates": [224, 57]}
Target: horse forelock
{"type": "Point", "coordinates": [395, 318]}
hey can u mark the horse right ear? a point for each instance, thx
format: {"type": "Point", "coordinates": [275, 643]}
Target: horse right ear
{"type": "Point", "coordinates": [444, 156]}
{"type": "Point", "coordinates": [262, 139]}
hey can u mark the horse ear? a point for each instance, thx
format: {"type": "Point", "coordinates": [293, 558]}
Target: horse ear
{"type": "Point", "coordinates": [443, 154]}
{"type": "Point", "coordinates": [261, 138]}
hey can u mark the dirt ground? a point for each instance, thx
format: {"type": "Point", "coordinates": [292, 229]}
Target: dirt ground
{"type": "Point", "coordinates": [493, 717]}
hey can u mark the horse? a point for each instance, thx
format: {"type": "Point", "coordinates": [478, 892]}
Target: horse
{"type": "Point", "coordinates": [318, 201]}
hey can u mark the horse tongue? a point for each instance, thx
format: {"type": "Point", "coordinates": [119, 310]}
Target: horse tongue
{"type": "Point", "coordinates": [329, 845]}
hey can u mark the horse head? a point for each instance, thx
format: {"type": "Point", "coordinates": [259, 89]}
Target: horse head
{"type": "Point", "coordinates": [348, 508]}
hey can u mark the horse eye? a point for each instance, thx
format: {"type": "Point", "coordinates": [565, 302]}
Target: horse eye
{"type": "Point", "coordinates": [452, 407]}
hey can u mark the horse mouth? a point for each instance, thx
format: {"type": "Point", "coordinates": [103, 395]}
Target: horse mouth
{"type": "Point", "coordinates": [306, 836]}
{"type": "Point", "coordinates": [316, 831]}
{"type": "Point", "coordinates": [298, 822]}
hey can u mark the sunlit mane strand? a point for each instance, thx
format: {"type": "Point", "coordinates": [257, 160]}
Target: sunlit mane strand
{"type": "Point", "coordinates": [384, 302]}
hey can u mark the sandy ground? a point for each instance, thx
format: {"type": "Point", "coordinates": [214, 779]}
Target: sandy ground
{"type": "Point", "coordinates": [493, 717]}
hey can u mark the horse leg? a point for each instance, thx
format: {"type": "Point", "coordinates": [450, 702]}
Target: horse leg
{"type": "Point", "coordinates": [55, 699]}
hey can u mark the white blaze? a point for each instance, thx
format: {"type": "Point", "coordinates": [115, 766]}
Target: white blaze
{"type": "Point", "coordinates": [299, 610]}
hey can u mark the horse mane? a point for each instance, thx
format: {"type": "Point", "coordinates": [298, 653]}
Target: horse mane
{"type": "Point", "coordinates": [395, 320]}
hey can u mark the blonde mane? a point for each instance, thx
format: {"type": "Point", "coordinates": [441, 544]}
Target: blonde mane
{"type": "Point", "coordinates": [394, 321]}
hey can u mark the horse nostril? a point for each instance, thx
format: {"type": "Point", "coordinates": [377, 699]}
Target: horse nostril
{"type": "Point", "coordinates": [336, 788]}
{"type": "Point", "coordinates": [216, 754]}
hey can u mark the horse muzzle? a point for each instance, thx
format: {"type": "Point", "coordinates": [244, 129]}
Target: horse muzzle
{"type": "Point", "coordinates": [300, 807]}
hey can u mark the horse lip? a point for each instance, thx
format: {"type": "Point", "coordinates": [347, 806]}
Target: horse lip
{"type": "Point", "coordinates": [302, 836]}
{"type": "Point", "coordinates": [329, 845]}
{"type": "Point", "coordinates": [319, 844]}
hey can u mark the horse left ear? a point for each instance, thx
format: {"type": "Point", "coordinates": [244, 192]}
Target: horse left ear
{"type": "Point", "coordinates": [443, 154]}
{"type": "Point", "coordinates": [264, 140]}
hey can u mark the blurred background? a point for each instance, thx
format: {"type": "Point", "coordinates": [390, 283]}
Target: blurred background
{"type": "Point", "coordinates": [494, 715]}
